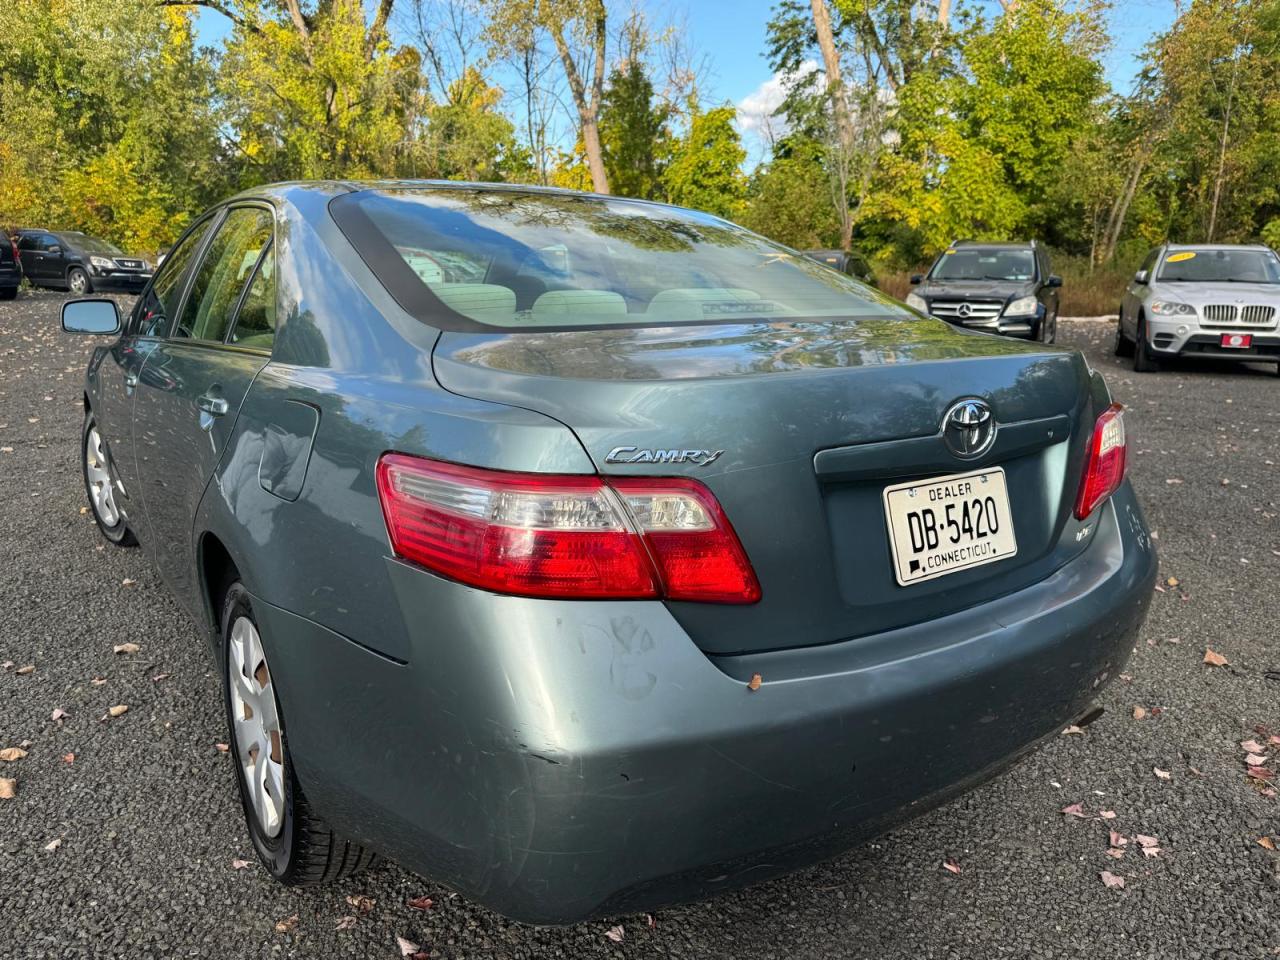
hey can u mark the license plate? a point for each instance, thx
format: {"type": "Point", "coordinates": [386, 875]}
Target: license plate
{"type": "Point", "coordinates": [1237, 341]}
{"type": "Point", "coordinates": [947, 524]}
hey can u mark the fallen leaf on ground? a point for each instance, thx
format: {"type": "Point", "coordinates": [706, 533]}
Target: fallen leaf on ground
{"type": "Point", "coordinates": [1146, 841]}
{"type": "Point", "coordinates": [407, 947]}
{"type": "Point", "coordinates": [68, 758]}
{"type": "Point", "coordinates": [1074, 810]}
{"type": "Point", "coordinates": [129, 582]}
{"type": "Point", "coordinates": [98, 681]}
{"type": "Point", "coordinates": [8, 787]}
{"type": "Point", "coordinates": [1107, 814]}
{"type": "Point", "coordinates": [1112, 880]}
{"type": "Point", "coordinates": [1162, 774]}
{"type": "Point", "coordinates": [361, 904]}
{"type": "Point", "coordinates": [1273, 739]}
{"type": "Point", "coordinates": [222, 747]}
{"type": "Point", "coordinates": [1266, 842]}
{"type": "Point", "coordinates": [1073, 729]}
{"type": "Point", "coordinates": [1115, 853]}
{"type": "Point", "coordinates": [118, 710]}
{"type": "Point", "coordinates": [1151, 851]}
{"type": "Point", "coordinates": [754, 682]}
{"type": "Point", "coordinates": [159, 676]}
{"type": "Point", "coordinates": [1252, 759]}
{"type": "Point", "coordinates": [23, 671]}
{"type": "Point", "coordinates": [238, 864]}
{"type": "Point", "coordinates": [53, 845]}
{"type": "Point", "coordinates": [1251, 746]}
{"type": "Point", "coordinates": [345, 923]}
{"type": "Point", "coordinates": [652, 920]}
{"type": "Point", "coordinates": [1117, 840]}
{"type": "Point", "coordinates": [420, 903]}
{"type": "Point", "coordinates": [1139, 713]}
{"type": "Point", "coordinates": [1172, 582]}
{"type": "Point", "coordinates": [616, 934]}
{"type": "Point", "coordinates": [58, 715]}
{"type": "Point", "coordinates": [7, 665]}
{"type": "Point", "coordinates": [1259, 773]}
{"type": "Point", "coordinates": [1214, 659]}
{"type": "Point", "coordinates": [125, 648]}
{"type": "Point", "coordinates": [951, 865]}
{"type": "Point", "coordinates": [10, 754]}
{"type": "Point", "coordinates": [287, 924]}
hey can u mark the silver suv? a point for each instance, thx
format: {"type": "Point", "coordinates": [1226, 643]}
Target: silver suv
{"type": "Point", "coordinates": [1218, 301]}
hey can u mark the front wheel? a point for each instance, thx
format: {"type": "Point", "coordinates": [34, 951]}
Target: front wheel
{"type": "Point", "coordinates": [1143, 360]}
{"type": "Point", "coordinates": [293, 843]}
{"type": "Point", "coordinates": [1049, 328]}
{"type": "Point", "coordinates": [100, 486]}
{"type": "Point", "coordinates": [78, 282]}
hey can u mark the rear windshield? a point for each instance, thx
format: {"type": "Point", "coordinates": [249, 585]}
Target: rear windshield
{"type": "Point", "coordinates": [1220, 266]}
{"type": "Point", "coordinates": [540, 261]}
{"type": "Point", "coordinates": [972, 264]}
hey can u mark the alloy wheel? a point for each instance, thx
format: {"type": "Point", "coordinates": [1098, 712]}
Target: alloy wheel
{"type": "Point", "coordinates": [78, 282]}
{"type": "Point", "coordinates": [256, 718]}
{"type": "Point", "coordinates": [101, 489]}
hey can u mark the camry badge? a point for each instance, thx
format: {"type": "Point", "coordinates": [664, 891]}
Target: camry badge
{"type": "Point", "coordinates": [639, 455]}
{"type": "Point", "coordinates": [968, 428]}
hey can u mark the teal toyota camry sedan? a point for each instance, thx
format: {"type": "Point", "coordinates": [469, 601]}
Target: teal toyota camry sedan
{"type": "Point", "coordinates": [586, 554]}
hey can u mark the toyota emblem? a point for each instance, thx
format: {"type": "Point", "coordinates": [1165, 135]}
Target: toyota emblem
{"type": "Point", "coordinates": [968, 429]}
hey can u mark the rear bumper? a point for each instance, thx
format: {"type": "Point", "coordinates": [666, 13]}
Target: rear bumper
{"type": "Point", "coordinates": [558, 760]}
{"type": "Point", "coordinates": [10, 277]}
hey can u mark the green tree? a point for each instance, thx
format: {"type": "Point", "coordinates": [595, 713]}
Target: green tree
{"type": "Point", "coordinates": [468, 137]}
{"type": "Point", "coordinates": [705, 170]}
{"type": "Point", "coordinates": [787, 198]}
{"type": "Point", "coordinates": [633, 132]}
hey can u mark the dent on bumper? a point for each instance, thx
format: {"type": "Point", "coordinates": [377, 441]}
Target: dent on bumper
{"type": "Point", "coordinates": [555, 761]}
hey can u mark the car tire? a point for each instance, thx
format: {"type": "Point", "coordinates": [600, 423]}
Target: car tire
{"type": "Point", "coordinates": [1048, 332]}
{"type": "Point", "coordinates": [9, 293]}
{"type": "Point", "coordinates": [78, 282]}
{"type": "Point", "coordinates": [1143, 361]}
{"type": "Point", "coordinates": [1123, 346]}
{"type": "Point", "coordinates": [99, 486]}
{"type": "Point", "coordinates": [295, 845]}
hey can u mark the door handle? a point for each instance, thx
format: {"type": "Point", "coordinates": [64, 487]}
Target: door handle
{"type": "Point", "coordinates": [212, 405]}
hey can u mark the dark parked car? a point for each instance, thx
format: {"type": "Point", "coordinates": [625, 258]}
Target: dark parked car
{"type": "Point", "coordinates": [587, 554]}
{"type": "Point", "coordinates": [69, 260]}
{"type": "Point", "coordinates": [849, 262]}
{"type": "Point", "coordinates": [10, 268]}
{"type": "Point", "coordinates": [1002, 288]}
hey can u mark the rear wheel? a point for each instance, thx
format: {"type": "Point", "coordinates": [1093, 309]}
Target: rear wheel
{"type": "Point", "coordinates": [1143, 361]}
{"type": "Point", "coordinates": [293, 843]}
{"type": "Point", "coordinates": [78, 281]}
{"type": "Point", "coordinates": [100, 486]}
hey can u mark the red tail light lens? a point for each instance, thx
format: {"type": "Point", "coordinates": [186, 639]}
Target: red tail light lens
{"type": "Point", "coordinates": [544, 535]}
{"type": "Point", "coordinates": [1104, 467]}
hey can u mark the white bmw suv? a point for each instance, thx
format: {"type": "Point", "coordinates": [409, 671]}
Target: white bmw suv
{"type": "Point", "coordinates": [1216, 301]}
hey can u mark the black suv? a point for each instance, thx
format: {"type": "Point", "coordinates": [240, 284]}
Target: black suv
{"type": "Point", "coordinates": [69, 260]}
{"type": "Point", "coordinates": [848, 262]}
{"type": "Point", "coordinates": [997, 287]}
{"type": "Point", "coordinates": [10, 268]}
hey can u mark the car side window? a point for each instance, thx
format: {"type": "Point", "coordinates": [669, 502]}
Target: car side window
{"type": "Point", "coordinates": [255, 325]}
{"type": "Point", "coordinates": [223, 275]}
{"type": "Point", "coordinates": [160, 301]}
{"type": "Point", "coordinates": [48, 242]}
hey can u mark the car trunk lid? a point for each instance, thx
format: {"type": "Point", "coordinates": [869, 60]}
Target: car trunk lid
{"type": "Point", "coordinates": [797, 429]}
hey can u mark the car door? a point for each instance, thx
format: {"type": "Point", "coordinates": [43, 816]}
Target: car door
{"type": "Point", "coordinates": [1048, 295]}
{"type": "Point", "coordinates": [1134, 294]}
{"type": "Point", "coordinates": [113, 376]}
{"type": "Point", "coordinates": [53, 252]}
{"type": "Point", "coordinates": [191, 387]}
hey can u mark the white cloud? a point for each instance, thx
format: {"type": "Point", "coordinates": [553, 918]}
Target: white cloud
{"type": "Point", "coordinates": [759, 127]}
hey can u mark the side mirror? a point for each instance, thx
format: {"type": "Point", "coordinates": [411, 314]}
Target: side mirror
{"type": "Point", "coordinates": [1054, 281]}
{"type": "Point", "coordinates": [916, 278]}
{"type": "Point", "coordinates": [95, 317]}
{"type": "Point", "coordinates": [1142, 277]}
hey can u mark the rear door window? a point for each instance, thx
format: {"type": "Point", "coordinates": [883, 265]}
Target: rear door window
{"type": "Point", "coordinates": [255, 326]}
{"type": "Point", "coordinates": [223, 275]}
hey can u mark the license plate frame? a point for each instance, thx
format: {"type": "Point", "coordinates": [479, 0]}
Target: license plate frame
{"type": "Point", "coordinates": [948, 554]}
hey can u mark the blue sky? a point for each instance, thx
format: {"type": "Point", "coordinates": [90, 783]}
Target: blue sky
{"type": "Point", "coordinates": [732, 34]}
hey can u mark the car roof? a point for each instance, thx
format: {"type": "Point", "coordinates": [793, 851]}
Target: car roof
{"type": "Point", "coordinates": [1216, 246]}
{"type": "Point", "coordinates": [994, 244]}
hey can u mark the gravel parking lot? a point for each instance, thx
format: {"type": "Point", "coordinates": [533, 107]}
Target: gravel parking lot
{"type": "Point", "coordinates": [123, 836]}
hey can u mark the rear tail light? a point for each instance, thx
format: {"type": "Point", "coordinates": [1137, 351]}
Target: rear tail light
{"type": "Point", "coordinates": [1104, 467]}
{"type": "Point", "coordinates": [543, 535]}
